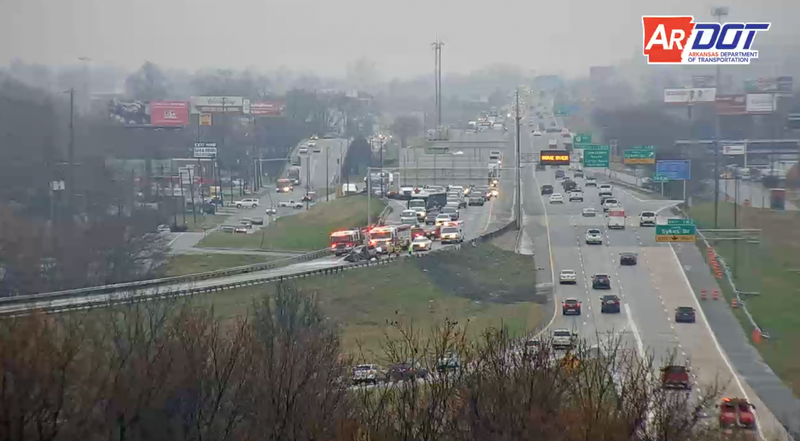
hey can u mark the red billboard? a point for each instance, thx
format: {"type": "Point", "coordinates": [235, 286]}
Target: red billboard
{"type": "Point", "coordinates": [267, 108]}
{"type": "Point", "coordinates": [169, 113]}
{"type": "Point", "coordinates": [731, 104]}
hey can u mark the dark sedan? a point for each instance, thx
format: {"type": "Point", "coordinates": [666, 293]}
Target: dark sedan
{"type": "Point", "coordinates": [601, 281]}
{"type": "Point", "coordinates": [430, 218]}
{"type": "Point", "coordinates": [685, 314]}
{"type": "Point", "coordinates": [609, 304]}
{"type": "Point", "coordinates": [547, 189]}
{"type": "Point", "coordinates": [406, 371]}
{"type": "Point", "coordinates": [571, 307]}
{"type": "Point", "coordinates": [628, 259]}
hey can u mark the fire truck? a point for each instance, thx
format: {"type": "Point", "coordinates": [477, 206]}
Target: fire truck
{"type": "Point", "coordinates": [390, 239]}
{"type": "Point", "coordinates": [342, 242]}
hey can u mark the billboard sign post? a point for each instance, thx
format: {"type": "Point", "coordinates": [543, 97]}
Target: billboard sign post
{"type": "Point", "coordinates": [596, 156]}
{"type": "Point", "coordinates": [737, 149]}
{"type": "Point", "coordinates": [219, 104]}
{"type": "Point", "coordinates": [731, 104]}
{"type": "Point", "coordinates": [169, 113]}
{"type": "Point", "coordinates": [267, 108]}
{"type": "Point", "coordinates": [205, 150]}
{"type": "Point", "coordinates": [204, 119]}
{"type": "Point", "coordinates": [640, 155]}
{"type": "Point", "coordinates": [760, 103]}
{"type": "Point", "coordinates": [675, 170]}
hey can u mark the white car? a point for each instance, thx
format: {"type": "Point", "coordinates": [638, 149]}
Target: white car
{"type": "Point", "coordinates": [567, 276]}
{"type": "Point", "coordinates": [163, 228]}
{"type": "Point", "coordinates": [556, 198]}
{"type": "Point", "coordinates": [441, 218]}
{"type": "Point", "coordinates": [647, 218]}
{"type": "Point", "coordinates": [604, 190]}
{"type": "Point", "coordinates": [290, 204]}
{"type": "Point", "coordinates": [249, 202]}
{"type": "Point", "coordinates": [609, 204]}
{"type": "Point", "coordinates": [576, 196]}
{"type": "Point", "coordinates": [591, 182]}
{"type": "Point", "coordinates": [552, 143]}
{"type": "Point", "coordinates": [537, 133]}
{"type": "Point", "coordinates": [421, 243]}
{"type": "Point", "coordinates": [303, 150]}
{"type": "Point", "coordinates": [594, 236]}
{"type": "Point", "coordinates": [563, 339]}
{"type": "Point", "coordinates": [365, 373]}
{"type": "Point", "coordinates": [271, 211]}
{"type": "Point", "coordinates": [316, 150]}
{"type": "Point", "coordinates": [565, 133]}
{"type": "Point", "coordinates": [588, 212]}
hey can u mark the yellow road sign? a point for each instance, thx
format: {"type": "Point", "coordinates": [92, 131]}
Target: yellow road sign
{"type": "Point", "coordinates": [640, 160]}
{"type": "Point", "coordinates": [671, 238]}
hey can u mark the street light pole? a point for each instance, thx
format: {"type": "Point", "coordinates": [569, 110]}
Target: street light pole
{"type": "Point", "coordinates": [517, 118]}
{"type": "Point", "coordinates": [308, 178]}
{"type": "Point", "coordinates": [71, 155]}
{"type": "Point", "coordinates": [719, 13]}
{"type": "Point", "coordinates": [327, 170]}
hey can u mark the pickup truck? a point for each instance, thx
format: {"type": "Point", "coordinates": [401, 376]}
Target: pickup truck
{"type": "Point", "coordinates": [675, 377]}
{"type": "Point", "coordinates": [736, 413]}
{"type": "Point", "coordinates": [291, 204]}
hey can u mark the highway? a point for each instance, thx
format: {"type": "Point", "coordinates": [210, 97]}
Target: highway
{"type": "Point", "coordinates": [649, 292]}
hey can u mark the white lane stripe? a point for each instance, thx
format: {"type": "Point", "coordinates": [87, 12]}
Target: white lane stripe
{"type": "Point", "coordinates": [727, 362]}
{"type": "Point", "coordinates": [173, 240]}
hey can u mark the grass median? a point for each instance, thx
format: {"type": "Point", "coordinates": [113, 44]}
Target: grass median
{"type": "Point", "coordinates": [197, 263]}
{"type": "Point", "coordinates": [305, 231]}
{"type": "Point", "coordinates": [771, 268]}
{"type": "Point", "coordinates": [476, 286]}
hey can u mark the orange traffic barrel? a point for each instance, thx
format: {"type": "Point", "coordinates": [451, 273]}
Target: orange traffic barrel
{"type": "Point", "coordinates": [703, 295]}
{"type": "Point", "coordinates": [715, 295]}
{"type": "Point", "coordinates": [734, 302]}
{"type": "Point", "coordinates": [756, 335]}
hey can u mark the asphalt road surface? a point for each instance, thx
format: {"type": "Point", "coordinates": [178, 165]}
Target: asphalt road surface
{"type": "Point", "coordinates": [649, 292]}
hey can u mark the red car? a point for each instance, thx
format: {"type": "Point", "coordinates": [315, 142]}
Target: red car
{"type": "Point", "coordinates": [675, 377]}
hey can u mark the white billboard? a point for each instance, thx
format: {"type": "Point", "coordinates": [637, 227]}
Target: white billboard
{"type": "Point", "coordinates": [219, 104]}
{"type": "Point", "coordinates": [734, 149]}
{"type": "Point", "coordinates": [760, 103]}
{"type": "Point", "coordinates": [692, 95]}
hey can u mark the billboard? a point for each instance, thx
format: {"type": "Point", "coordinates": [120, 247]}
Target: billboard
{"type": "Point", "coordinates": [553, 157]}
{"type": "Point", "coordinates": [219, 104]}
{"type": "Point", "coordinates": [267, 108]}
{"type": "Point", "coordinates": [675, 170]}
{"type": "Point", "coordinates": [760, 103]}
{"type": "Point", "coordinates": [731, 104]}
{"type": "Point", "coordinates": [690, 95]}
{"type": "Point", "coordinates": [704, 81]}
{"type": "Point", "coordinates": [737, 149]}
{"type": "Point", "coordinates": [780, 85]}
{"type": "Point", "coordinates": [169, 113]}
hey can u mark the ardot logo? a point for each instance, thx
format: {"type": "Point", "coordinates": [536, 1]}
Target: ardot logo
{"type": "Point", "coordinates": [679, 40]}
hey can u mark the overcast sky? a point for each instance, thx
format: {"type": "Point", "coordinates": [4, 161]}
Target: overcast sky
{"type": "Point", "coordinates": [564, 36]}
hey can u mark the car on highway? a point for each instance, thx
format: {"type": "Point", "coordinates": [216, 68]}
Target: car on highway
{"type": "Point", "coordinates": [476, 198]}
{"type": "Point", "coordinates": [362, 253]}
{"type": "Point", "coordinates": [567, 276]}
{"type": "Point", "coordinates": [421, 243]}
{"type": "Point", "coordinates": [240, 229]}
{"type": "Point", "coordinates": [576, 196]}
{"type": "Point", "coordinates": [604, 190]}
{"type": "Point", "coordinates": [163, 228]}
{"type": "Point", "coordinates": [675, 377]}
{"type": "Point", "coordinates": [589, 212]}
{"type": "Point", "coordinates": [685, 314]}
{"type": "Point", "coordinates": [291, 204]}
{"type": "Point", "coordinates": [441, 218]}
{"type": "Point", "coordinates": [601, 281]}
{"type": "Point", "coordinates": [316, 149]}
{"type": "Point", "coordinates": [609, 203]}
{"type": "Point", "coordinates": [560, 174]}
{"type": "Point", "coordinates": [430, 217]}
{"type": "Point", "coordinates": [457, 201]}
{"type": "Point", "coordinates": [628, 259]}
{"type": "Point", "coordinates": [247, 223]}
{"type": "Point", "coordinates": [547, 189]}
{"type": "Point", "coordinates": [271, 211]}
{"type": "Point", "coordinates": [366, 373]}
{"type": "Point", "coordinates": [314, 137]}
{"type": "Point", "coordinates": [609, 303]}
{"type": "Point", "coordinates": [647, 218]}
{"type": "Point", "coordinates": [552, 143]}
{"type": "Point", "coordinates": [738, 413]}
{"type": "Point", "coordinates": [563, 338]}
{"type": "Point", "coordinates": [594, 237]}
{"type": "Point", "coordinates": [303, 150]}
{"type": "Point", "coordinates": [537, 132]}
{"type": "Point", "coordinates": [408, 214]}
{"type": "Point", "coordinates": [448, 363]}
{"type": "Point", "coordinates": [556, 198]}
{"type": "Point", "coordinates": [578, 174]}
{"type": "Point", "coordinates": [565, 133]}
{"type": "Point", "coordinates": [450, 211]}
{"type": "Point", "coordinates": [571, 307]}
{"type": "Point", "coordinates": [410, 370]}
{"type": "Point", "coordinates": [246, 203]}
{"type": "Point", "coordinates": [591, 182]}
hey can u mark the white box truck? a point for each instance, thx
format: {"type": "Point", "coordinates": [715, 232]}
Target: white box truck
{"type": "Point", "coordinates": [616, 218]}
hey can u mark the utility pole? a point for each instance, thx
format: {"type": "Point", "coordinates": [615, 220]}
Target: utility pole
{"type": "Point", "coordinates": [308, 178]}
{"type": "Point", "coordinates": [71, 157]}
{"type": "Point", "coordinates": [327, 172]}
{"type": "Point", "coordinates": [380, 146]}
{"type": "Point", "coordinates": [718, 13]}
{"type": "Point", "coordinates": [437, 51]}
{"type": "Point", "coordinates": [517, 118]}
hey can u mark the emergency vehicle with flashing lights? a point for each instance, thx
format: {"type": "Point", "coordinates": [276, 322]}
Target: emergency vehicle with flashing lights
{"type": "Point", "coordinates": [736, 413]}
{"type": "Point", "coordinates": [390, 239]}
{"type": "Point", "coordinates": [343, 241]}
{"type": "Point", "coordinates": [452, 232]}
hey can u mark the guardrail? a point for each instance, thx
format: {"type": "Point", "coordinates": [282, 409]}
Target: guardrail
{"type": "Point", "coordinates": [131, 294]}
{"type": "Point", "coordinates": [132, 286]}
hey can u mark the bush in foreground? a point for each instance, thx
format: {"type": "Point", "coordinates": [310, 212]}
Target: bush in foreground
{"type": "Point", "coordinates": [171, 370]}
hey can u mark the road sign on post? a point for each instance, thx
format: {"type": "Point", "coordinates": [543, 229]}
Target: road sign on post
{"type": "Point", "coordinates": [527, 158]}
{"type": "Point", "coordinates": [677, 230]}
{"type": "Point", "coordinates": [596, 156]}
{"type": "Point", "coordinates": [659, 178]}
{"type": "Point", "coordinates": [640, 155]}
{"type": "Point", "coordinates": [675, 170]}
{"type": "Point", "coordinates": [582, 139]}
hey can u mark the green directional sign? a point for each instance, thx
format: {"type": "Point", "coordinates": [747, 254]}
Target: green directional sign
{"type": "Point", "coordinates": [659, 178]}
{"type": "Point", "coordinates": [676, 221]}
{"type": "Point", "coordinates": [640, 155]}
{"type": "Point", "coordinates": [596, 156]}
{"type": "Point", "coordinates": [582, 139]}
{"type": "Point", "coordinates": [676, 233]}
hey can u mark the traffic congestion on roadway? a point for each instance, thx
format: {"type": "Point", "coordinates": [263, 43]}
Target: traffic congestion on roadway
{"type": "Point", "coordinates": [613, 281]}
